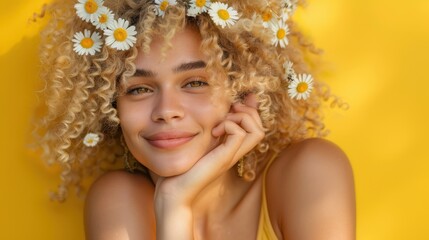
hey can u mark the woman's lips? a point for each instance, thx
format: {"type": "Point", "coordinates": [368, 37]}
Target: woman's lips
{"type": "Point", "coordinates": [168, 140]}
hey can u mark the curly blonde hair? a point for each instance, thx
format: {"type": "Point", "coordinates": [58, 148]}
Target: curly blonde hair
{"type": "Point", "coordinates": [80, 91]}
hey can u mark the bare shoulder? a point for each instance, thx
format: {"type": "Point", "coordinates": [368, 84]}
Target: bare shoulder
{"type": "Point", "coordinates": [310, 192]}
{"type": "Point", "coordinates": [119, 205]}
{"type": "Point", "coordinates": [315, 156]}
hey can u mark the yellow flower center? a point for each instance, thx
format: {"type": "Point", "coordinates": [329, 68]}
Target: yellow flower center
{"type": "Point", "coordinates": [163, 6]}
{"type": "Point", "coordinates": [103, 18]}
{"type": "Point", "coordinates": [302, 87]}
{"type": "Point", "coordinates": [91, 6]}
{"type": "Point", "coordinates": [281, 33]}
{"type": "Point", "coordinates": [266, 16]}
{"type": "Point", "coordinates": [90, 141]}
{"type": "Point", "coordinates": [87, 42]}
{"type": "Point", "coordinates": [120, 34]}
{"type": "Point", "coordinates": [223, 14]}
{"type": "Point", "coordinates": [200, 3]}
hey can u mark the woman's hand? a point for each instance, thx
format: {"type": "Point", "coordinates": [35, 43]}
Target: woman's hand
{"type": "Point", "coordinates": [240, 132]}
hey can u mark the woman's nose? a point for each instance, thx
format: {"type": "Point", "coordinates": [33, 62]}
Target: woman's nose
{"type": "Point", "coordinates": [168, 106]}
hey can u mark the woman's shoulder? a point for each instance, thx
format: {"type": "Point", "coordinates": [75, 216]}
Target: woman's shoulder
{"type": "Point", "coordinates": [311, 182]}
{"type": "Point", "coordinates": [119, 182]}
{"type": "Point", "coordinates": [118, 203]}
{"type": "Point", "coordinates": [310, 157]}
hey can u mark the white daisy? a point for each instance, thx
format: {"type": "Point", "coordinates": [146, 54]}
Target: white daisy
{"type": "Point", "coordinates": [222, 14]}
{"type": "Point", "coordinates": [268, 18]}
{"type": "Point", "coordinates": [301, 87]}
{"type": "Point", "coordinates": [192, 12]}
{"type": "Point", "coordinates": [89, 10]}
{"type": "Point", "coordinates": [86, 43]}
{"type": "Point", "coordinates": [284, 15]}
{"type": "Point", "coordinates": [119, 35]}
{"type": "Point", "coordinates": [162, 6]}
{"type": "Point", "coordinates": [105, 19]}
{"type": "Point", "coordinates": [91, 139]}
{"type": "Point", "coordinates": [198, 6]}
{"type": "Point", "coordinates": [281, 31]}
{"type": "Point", "coordinates": [290, 74]}
{"type": "Point", "coordinates": [290, 5]}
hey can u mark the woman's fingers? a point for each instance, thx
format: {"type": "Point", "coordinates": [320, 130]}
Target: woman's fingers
{"type": "Point", "coordinates": [249, 106]}
{"type": "Point", "coordinates": [240, 132]}
{"type": "Point", "coordinates": [252, 112]}
{"type": "Point", "coordinates": [254, 132]}
{"type": "Point", "coordinates": [246, 116]}
{"type": "Point", "coordinates": [251, 101]}
{"type": "Point", "coordinates": [232, 132]}
{"type": "Point", "coordinates": [221, 158]}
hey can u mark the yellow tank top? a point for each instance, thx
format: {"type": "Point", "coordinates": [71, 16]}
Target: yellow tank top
{"type": "Point", "coordinates": [265, 229]}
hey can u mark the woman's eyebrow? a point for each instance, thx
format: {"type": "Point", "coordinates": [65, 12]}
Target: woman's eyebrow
{"type": "Point", "coordinates": [190, 66]}
{"type": "Point", "coordinates": [144, 73]}
{"type": "Point", "coordinates": [181, 68]}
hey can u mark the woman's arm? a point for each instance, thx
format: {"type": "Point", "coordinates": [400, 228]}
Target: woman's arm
{"type": "Point", "coordinates": [119, 206]}
{"type": "Point", "coordinates": [126, 206]}
{"type": "Point", "coordinates": [241, 131]}
{"type": "Point", "coordinates": [311, 192]}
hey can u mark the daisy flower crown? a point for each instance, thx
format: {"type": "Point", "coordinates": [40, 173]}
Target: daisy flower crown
{"type": "Point", "coordinates": [299, 86]}
{"type": "Point", "coordinates": [120, 35]}
{"type": "Point", "coordinates": [223, 15]}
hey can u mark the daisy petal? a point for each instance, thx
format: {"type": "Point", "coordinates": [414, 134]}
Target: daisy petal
{"type": "Point", "coordinates": [105, 19]}
{"type": "Point", "coordinates": [91, 139]}
{"type": "Point", "coordinates": [223, 15]}
{"type": "Point", "coordinates": [89, 10]}
{"type": "Point", "coordinates": [120, 36]}
{"type": "Point", "coordinates": [87, 43]}
{"type": "Point", "coordinates": [280, 30]}
{"type": "Point", "coordinates": [301, 87]}
{"type": "Point", "coordinates": [162, 5]}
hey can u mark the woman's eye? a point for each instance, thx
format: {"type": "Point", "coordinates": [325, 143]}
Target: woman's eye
{"type": "Point", "coordinates": [196, 83]}
{"type": "Point", "coordinates": [138, 90]}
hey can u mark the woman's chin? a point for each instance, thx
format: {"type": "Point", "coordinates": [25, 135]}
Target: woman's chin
{"type": "Point", "coordinates": [172, 170]}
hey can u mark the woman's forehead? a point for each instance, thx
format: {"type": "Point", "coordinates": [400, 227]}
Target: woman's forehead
{"type": "Point", "coordinates": [184, 47]}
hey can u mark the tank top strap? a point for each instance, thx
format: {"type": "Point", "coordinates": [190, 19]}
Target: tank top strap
{"type": "Point", "coordinates": [265, 229]}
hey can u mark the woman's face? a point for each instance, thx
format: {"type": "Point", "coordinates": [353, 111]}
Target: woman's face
{"type": "Point", "coordinates": [168, 110]}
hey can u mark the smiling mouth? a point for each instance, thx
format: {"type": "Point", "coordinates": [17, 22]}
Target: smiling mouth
{"type": "Point", "coordinates": [169, 140]}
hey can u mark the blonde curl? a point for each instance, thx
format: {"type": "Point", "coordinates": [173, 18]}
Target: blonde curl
{"type": "Point", "coordinates": [80, 91]}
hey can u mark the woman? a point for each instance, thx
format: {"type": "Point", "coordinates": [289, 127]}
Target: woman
{"type": "Point", "coordinates": [209, 104]}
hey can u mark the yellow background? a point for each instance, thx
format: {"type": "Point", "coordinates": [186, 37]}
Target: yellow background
{"type": "Point", "coordinates": [375, 59]}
